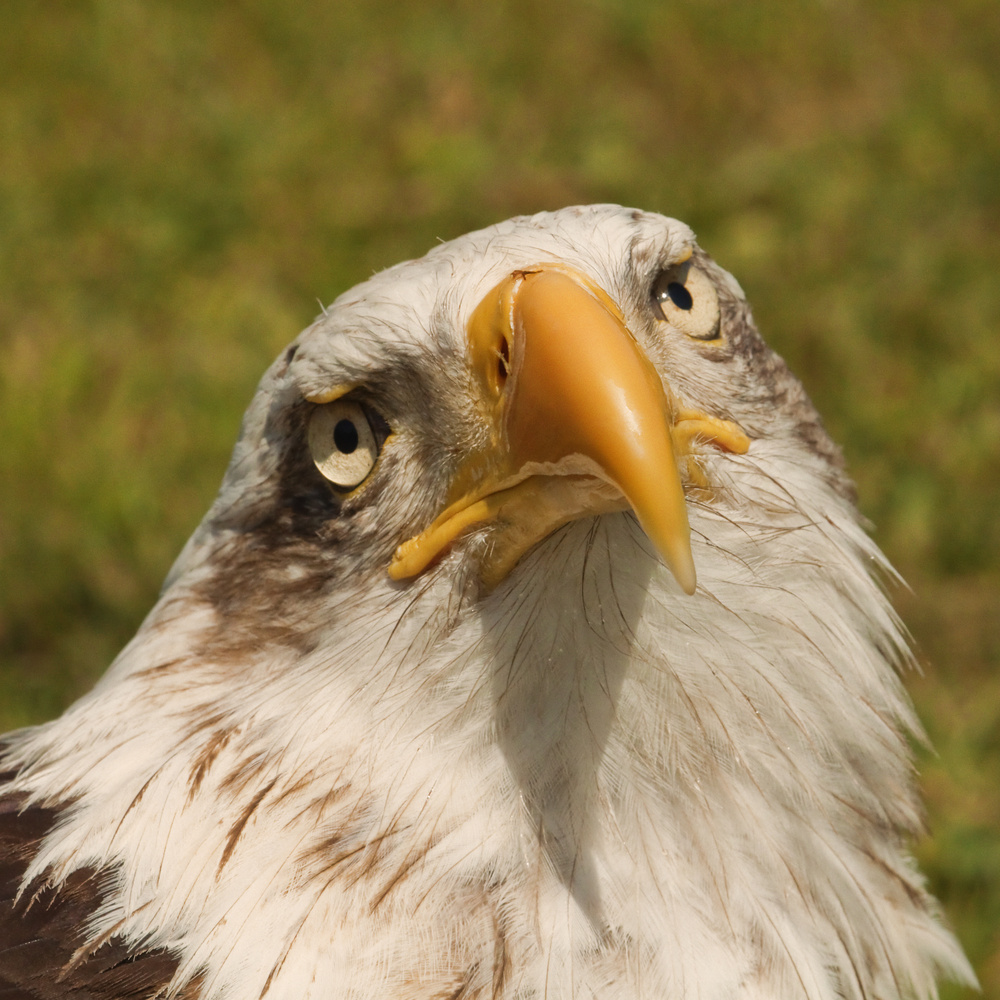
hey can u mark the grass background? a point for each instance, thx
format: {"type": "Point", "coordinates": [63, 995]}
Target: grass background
{"type": "Point", "coordinates": [181, 181]}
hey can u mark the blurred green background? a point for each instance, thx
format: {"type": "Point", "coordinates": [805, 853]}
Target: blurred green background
{"type": "Point", "coordinates": [181, 181]}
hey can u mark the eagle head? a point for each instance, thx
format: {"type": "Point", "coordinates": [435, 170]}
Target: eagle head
{"type": "Point", "coordinates": [533, 646]}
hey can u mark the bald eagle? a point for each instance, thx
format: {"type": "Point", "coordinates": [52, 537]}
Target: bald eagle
{"type": "Point", "coordinates": [533, 648]}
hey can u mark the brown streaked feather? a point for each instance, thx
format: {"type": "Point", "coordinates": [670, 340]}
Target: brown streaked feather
{"type": "Point", "coordinates": [206, 758]}
{"type": "Point", "coordinates": [237, 828]}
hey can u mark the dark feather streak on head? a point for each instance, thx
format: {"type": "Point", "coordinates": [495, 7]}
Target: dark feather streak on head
{"type": "Point", "coordinates": [280, 550]}
{"type": "Point", "coordinates": [277, 560]}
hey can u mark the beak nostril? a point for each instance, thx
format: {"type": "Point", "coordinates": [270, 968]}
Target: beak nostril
{"type": "Point", "coordinates": [503, 360]}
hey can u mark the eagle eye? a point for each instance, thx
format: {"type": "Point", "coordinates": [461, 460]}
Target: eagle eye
{"type": "Point", "coordinates": [343, 442]}
{"type": "Point", "coordinates": [684, 296]}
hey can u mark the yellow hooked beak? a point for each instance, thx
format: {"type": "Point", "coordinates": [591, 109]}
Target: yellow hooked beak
{"type": "Point", "coordinates": [580, 425]}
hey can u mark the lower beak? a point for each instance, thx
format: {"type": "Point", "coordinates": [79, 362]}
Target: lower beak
{"type": "Point", "coordinates": [580, 424]}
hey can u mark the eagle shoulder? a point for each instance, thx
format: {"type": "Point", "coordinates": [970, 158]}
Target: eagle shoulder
{"type": "Point", "coordinates": [44, 950]}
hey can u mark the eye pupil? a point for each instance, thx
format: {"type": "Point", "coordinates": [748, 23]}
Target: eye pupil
{"type": "Point", "coordinates": [680, 296]}
{"type": "Point", "coordinates": [345, 436]}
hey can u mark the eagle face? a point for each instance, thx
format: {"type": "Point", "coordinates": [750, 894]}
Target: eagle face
{"type": "Point", "coordinates": [397, 357]}
{"type": "Point", "coordinates": [533, 647]}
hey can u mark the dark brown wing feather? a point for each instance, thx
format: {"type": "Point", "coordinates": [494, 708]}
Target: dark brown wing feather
{"type": "Point", "coordinates": [42, 933]}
